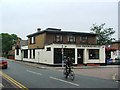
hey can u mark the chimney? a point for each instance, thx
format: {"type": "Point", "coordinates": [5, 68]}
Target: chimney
{"type": "Point", "coordinates": [38, 29]}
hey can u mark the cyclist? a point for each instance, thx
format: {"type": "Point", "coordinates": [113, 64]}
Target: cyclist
{"type": "Point", "coordinates": [68, 65]}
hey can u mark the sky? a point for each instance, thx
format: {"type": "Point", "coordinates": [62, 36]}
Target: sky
{"type": "Point", "coordinates": [23, 17]}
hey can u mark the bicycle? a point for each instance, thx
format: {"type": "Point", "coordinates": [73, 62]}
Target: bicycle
{"type": "Point", "coordinates": [71, 74]}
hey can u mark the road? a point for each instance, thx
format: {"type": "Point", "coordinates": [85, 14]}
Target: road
{"type": "Point", "coordinates": [5, 84]}
{"type": "Point", "coordinates": [32, 77]}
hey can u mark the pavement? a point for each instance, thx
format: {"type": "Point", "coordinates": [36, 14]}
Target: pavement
{"type": "Point", "coordinates": [116, 77]}
{"type": "Point", "coordinates": [85, 70]}
{"type": "Point", "coordinates": [38, 65]}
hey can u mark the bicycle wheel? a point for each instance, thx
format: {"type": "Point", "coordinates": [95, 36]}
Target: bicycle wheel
{"type": "Point", "coordinates": [72, 75]}
{"type": "Point", "coordinates": [64, 73]}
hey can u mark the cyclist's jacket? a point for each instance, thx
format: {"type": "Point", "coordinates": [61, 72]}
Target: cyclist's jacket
{"type": "Point", "coordinates": [68, 63]}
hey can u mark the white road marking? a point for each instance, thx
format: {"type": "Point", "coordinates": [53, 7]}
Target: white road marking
{"type": "Point", "coordinates": [64, 81]}
{"type": "Point", "coordinates": [1, 86]}
{"type": "Point", "coordinates": [34, 72]}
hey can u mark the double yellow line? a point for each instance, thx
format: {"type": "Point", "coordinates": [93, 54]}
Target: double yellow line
{"type": "Point", "coordinates": [14, 81]}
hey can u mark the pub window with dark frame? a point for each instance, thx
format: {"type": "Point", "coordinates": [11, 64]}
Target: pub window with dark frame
{"type": "Point", "coordinates": [93, 53]}
{"type": "Point", "coordinates": [17, 52]}
{"type": "Point", "coordinates": [34, 53]}
{"type": "Point", "coordinates": [25, 53]}
{"type": "Point", "coordinates": [30, 53]}
{"type": "Point", "coordinates": [48, 49]}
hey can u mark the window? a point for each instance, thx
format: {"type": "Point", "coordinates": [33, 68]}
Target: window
{"type": "Point", "coordinates": [25, 53]}
{"type": "Point", "coordinates": [93, 53]}
{"type": "Point", "coordinates": [32, 40]}
{"type": "Point", "coordinates": [58, 38]}
{"type": "Point", "coordinates": [30, 53]}
{"type": "Point", "coordinates": [83, 38]}
{"type": "Point", "coordinates": [49, 49]}
{"type": "Point", "coordinates": [71, 38]}
{"type": "Point", "coordinates": [34, 53]}
{"type": "Point", "coordinates": [17, 52]}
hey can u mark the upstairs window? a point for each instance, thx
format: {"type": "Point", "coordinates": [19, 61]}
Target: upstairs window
{"type": "Point", "coordinates": [58, 38]}
{"type": "Point", "coordinates": [71, 38]}
{"type": "Point", "coordinates": [32, 40]}
{"type": "Point", "coordinates": [83, 38]}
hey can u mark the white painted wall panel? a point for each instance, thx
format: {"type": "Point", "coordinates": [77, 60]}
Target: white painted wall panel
{"type": "Point", "coordinates": [47, 57]}
{"type": "Point", "coordinates": [18, 57]}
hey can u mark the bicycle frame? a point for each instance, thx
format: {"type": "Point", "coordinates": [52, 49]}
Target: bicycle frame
{"type": "Point", "coordinates": [70, 74]}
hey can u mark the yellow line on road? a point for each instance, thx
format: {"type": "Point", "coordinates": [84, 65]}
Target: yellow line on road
{"type": "Point", "coordinates": [14, 82]}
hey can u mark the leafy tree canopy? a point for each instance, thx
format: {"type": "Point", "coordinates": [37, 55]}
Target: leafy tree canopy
{"type": "Point", "coordinates": [103, 34]}
{"type": "Point", "coordinates": [7, 41]}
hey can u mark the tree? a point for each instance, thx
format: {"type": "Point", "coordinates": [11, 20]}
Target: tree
{"type": "Point", "coordinates": [103, 34]}
{"type": "Point", "coordinates": [7, 41]}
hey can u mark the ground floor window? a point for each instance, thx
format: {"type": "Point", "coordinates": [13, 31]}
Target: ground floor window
{"type": "Point", "coordinates": [57, 55]}
{"type": "Point", "coordinates": [93, 53]}
{"type": "Point", "coordinates": [17, 50]}
{"type": "Point", "coordinates": [34, 53]}
{"type": "Point", "coordinates": [70, 52]}
{"type": "Point", "coordinates": [30, 53]}
{"type": "Point", "coordinates": [66, 52]}
{"type": "Point", "coordinates": [25, 53]}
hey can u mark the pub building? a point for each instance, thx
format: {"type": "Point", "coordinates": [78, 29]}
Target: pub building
{"type": "Point", "coordinates": [52, 46]}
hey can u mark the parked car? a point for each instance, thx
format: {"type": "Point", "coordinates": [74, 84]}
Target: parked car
{"type": "Point", "coordinates": [109, 61]}
{"type": "Point", "coordinates": [3, 63]}
{"type": "Point", "coordinates": [117, 61]}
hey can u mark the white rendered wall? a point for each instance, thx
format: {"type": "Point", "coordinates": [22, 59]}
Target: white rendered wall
{"type": "Point", "coordinates": [47, 57]}
{"type": "Point", "coordinates": [18, 57]}
{"type": "Point", "coordinates": [43, 56]}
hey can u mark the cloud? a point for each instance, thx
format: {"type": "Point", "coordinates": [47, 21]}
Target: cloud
{"type": "Point", "coordinates": [27, 15]}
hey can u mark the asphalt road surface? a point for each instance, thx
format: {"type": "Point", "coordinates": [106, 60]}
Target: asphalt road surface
{"type": "Point", "coordinates": [32, 77]}
{"type": "Point", "coordinates": [6, 85]}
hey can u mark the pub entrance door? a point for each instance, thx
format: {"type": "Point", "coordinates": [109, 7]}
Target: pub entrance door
{"type": "Point", "coordinates": [80, 56]}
